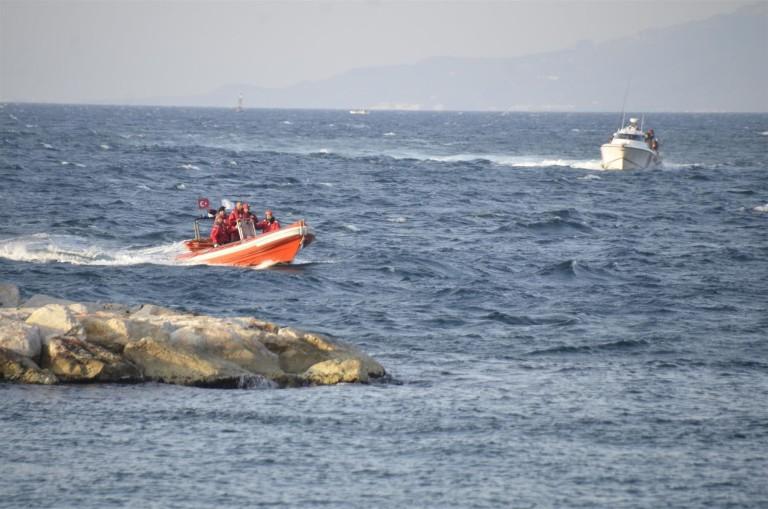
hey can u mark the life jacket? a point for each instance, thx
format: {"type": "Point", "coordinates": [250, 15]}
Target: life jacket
{"type": "Point", "coordinates": [233, 218]}
{"type": "Point", "coordinates": [219, 233]}
{"type": "Point", "coordinates": [267, 226]}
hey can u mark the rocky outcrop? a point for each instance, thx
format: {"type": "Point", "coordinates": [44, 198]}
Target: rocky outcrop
{"type": "Point", "coordinates": [72, 359]}
{"type": "Point", "coordinates": [114, 331]}
{"type": "Point", "coordinates": [55, 319]}
{"type": "Point", "coordinates": [49, 340]}
{"type": "Point", "coordinates": [21, 369]}
{"type": "Point", "coordinates": [336, 371]}
{"type": "Point", "coordinates": [20, 337]}
{"type": "Point", "coordinates": [39, 300]}
{"type": "Point", "coordinates": [162, 363]}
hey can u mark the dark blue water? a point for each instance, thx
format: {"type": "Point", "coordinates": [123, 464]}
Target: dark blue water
{"type": "Point", "coordinates": [559, 336]}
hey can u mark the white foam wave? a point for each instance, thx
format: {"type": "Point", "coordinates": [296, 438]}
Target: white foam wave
{"type": "Point", "coordinates": [671, 165]}
{"type": "Point", "coordinates": [301, 260]}
{"type": "Point", "coordinates": [45, 248]}
{"type": "Point", "coordinates": [764, 133]}
{"type": "Point", "coordinates": [190, 167]}
{"type": "Point", "coordinates": [104, 146]}
{"type": "Point", "coordinates": [390, 134]}
{"type": "Point", "coordinates": [668, 165]}
{"type": "Point", "coordinates": [588, 164]}
{"type": "Point", "coordinates": [761, 208]}
{"type": "Point", "coordinates": [264, 265]}
{"type": "Point", "coordinates": [351, 227]}
{"type": "Point", "coordinates": [67, 163]}
{"type": "Point", "coordinates": [591, 176]}
{"type": "Point", "coordinates": [532, 161]}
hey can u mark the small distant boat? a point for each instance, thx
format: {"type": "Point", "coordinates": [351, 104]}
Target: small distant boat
{"type": "Point", "coordinates": [239, 108]}
{"type": "Point", "coordinates": [268, 248]}
{"type": "Point", "coordinates": [358, 112]}
{"type": "Point", "coordinates": [631, 149]}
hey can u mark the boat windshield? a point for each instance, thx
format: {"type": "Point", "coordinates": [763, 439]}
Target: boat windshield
{"type": "Point", "coordinates": [624, 136]}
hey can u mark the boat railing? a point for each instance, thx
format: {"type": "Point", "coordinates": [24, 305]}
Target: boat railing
{"type": "Point", "coordinates": [197, 228]}
{"type": "Point", "coordinates": [196, 225]}
{"type": "Point", "coordinates": [246, 229]}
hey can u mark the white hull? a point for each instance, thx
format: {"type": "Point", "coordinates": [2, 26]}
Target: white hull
{"type": "Point", "coordinates": [627, 157]}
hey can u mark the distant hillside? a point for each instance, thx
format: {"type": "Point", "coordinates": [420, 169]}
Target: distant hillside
{"type": "Point", "coordinates": [719, 64]}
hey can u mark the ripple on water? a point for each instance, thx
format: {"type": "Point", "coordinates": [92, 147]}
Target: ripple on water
{"type": "Point", "coordinates": [532, 319]}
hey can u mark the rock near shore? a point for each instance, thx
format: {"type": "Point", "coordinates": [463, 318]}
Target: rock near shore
{"type": "Point", "coordinates": [45, 340]}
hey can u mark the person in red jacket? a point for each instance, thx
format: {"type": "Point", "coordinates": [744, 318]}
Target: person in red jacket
{"type": "Point", "coordinates": [236, 215]}
{"type": "Point", "coordinates": [248, 215]}
{"type": "Point", "coordinates": [269, 223]}
{"type": "Point", "coordinates": [219, 231]}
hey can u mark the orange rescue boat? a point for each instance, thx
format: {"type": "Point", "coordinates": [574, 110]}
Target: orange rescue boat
{"type": "Point", "coordinates": [268, 248]}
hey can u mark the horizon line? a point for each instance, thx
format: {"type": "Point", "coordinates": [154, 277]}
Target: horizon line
{"type": "Point", "coordinates": [404, 110]}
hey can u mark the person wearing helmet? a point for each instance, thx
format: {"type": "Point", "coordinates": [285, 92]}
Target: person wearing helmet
{"type": "Point", "coordinates": [269, 223]}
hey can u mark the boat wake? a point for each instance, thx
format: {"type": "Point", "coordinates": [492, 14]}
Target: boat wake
{"type": "Point", "coordinates": [531, 161]}
{"type": "Point", "coordinates": [46, 248]}
{"type": "Point", "coordinates": [368, 152]}
{"type": "Point", "coordinates": [348, 152]}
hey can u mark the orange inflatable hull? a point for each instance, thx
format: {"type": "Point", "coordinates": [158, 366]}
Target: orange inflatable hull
{"type": "Point", "coordinates": [268, 248]}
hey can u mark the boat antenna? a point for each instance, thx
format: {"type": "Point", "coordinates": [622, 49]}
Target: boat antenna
{"type": "Point", "coordinates": [624, 102]}
{"type": "Point", "coordinates": [642, 121]}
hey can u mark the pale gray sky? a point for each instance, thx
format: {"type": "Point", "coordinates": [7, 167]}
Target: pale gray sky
{"type": "Point", "coordinates": [126, 50]}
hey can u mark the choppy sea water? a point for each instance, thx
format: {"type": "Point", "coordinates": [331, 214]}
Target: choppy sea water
{"type": "Point", "coordinates": [558, 336]}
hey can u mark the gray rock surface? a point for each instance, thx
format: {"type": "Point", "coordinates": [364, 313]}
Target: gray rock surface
{"type": "Point", "coordinates": [49, 340]}
{"type": "Point", "coordinates": [55, 319]}
{"type": "Point", "coordinates": [20, 337]}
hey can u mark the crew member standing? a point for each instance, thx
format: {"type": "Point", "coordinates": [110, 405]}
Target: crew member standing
{"type": "Point", "coordinates": [238, 213]}
{"type": "Point", "coordinates": [219, 231]}
{"type": "Point", "coordinates": [269, 223]}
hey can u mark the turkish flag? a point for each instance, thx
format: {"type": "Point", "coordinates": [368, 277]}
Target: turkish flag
{"type": "Point", "coordinates": [203, 203]}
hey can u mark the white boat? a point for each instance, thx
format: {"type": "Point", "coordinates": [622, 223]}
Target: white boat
{"type": "Point", "coordinates": [358, 112]}
{"type": "Point", "coordinates": [631, 149]}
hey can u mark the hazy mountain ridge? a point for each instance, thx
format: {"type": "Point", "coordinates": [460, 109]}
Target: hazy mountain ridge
{"type": "Point", "coordinates": [709, 65]}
